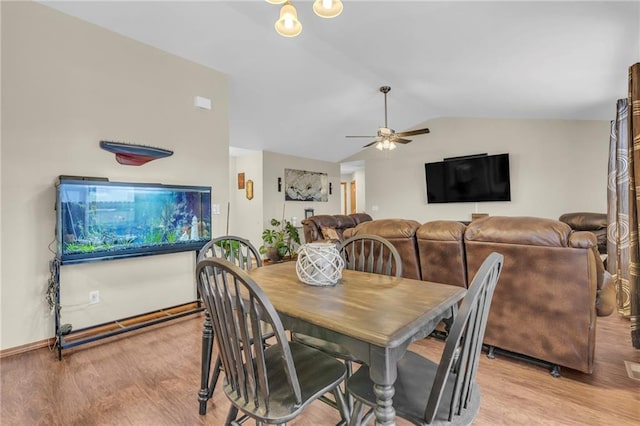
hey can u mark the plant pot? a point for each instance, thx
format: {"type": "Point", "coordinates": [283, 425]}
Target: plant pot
{"type": "Point", "coordinates": [273, 255]}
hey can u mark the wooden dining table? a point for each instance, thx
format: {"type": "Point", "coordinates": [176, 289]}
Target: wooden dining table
{"type": "Point", "coordinates": [375, 317]}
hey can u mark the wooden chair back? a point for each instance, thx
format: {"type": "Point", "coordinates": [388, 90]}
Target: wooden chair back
{"type": "Point", "coordinates": [464, 342]}
{"type": "Point", "coordinates": [236, 250]}
{"type": "Point", "coordinates": [371, 253]}
{"type": "Point", "coordinates": [237, 306]}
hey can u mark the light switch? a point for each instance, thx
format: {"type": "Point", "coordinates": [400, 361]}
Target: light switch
{"type": "Point", "coordinates": [216, 209]}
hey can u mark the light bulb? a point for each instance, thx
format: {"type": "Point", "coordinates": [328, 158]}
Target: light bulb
{"type": "Point", "coordinates": [327, 8]}
{"type": "Point", "coordinates": [276, 1]}
{"type": "Point", "coordinates": [392, 146]}
{"type": "Point", "coordinates": [380, 146]}
{"type": "Point", "coordinates": [288, 24]}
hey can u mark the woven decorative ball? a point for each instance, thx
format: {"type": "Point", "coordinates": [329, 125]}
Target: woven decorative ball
{"type": "Point", "coordinates": [319, 264]}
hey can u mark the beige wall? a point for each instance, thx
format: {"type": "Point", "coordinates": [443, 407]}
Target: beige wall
{"type": "Point", "coordinates": [273, 202]}
{"type": "Point", "coordinates": [246, 215]}
{"type": "Point", "coordinates": [250, 217]}
{"type": "Point", "coordinates": [557, 166]}
{"type": "Point", "coordinates": [66, 85]}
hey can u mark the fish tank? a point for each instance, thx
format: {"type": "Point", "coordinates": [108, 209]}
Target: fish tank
{"type": "Point", "coordinates": [102, 220]}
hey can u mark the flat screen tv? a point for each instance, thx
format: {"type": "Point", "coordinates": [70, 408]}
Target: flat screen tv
{"type": "Point", "coordinates": [469, 179]}
{"type": "Point", "coordinates": [102, 220]}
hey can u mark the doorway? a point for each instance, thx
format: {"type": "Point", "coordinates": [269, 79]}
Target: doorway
{"type": "Point", "coordinates": [353, 196]}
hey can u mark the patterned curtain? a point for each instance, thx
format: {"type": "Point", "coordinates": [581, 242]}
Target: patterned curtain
{"type": "Point", "coordinates": [618, 207]}
{"type": "Point", "coordinates": [634, 194]}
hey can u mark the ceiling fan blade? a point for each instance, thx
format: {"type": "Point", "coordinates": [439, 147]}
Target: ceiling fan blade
{"type": "Point", "coordinates": [413, 132]}
{"type": "Point", "coordinates": [369, 144]}
{"type": "Point", "coordinates": [360, 137]}
{"type": "Point", "coordinates": [400, 140]}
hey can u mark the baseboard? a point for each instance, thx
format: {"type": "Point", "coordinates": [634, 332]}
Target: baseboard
{"type": "Point", "coordinates": [16, 350]}
{"type": "Point", "coordinates": [49, 343]}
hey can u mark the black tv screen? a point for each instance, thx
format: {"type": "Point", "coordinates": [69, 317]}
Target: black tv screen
{"type": "Point", "coordinates": [469, 179]}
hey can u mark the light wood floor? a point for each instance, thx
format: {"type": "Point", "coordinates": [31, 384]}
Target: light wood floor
{"type": "Point", "coordinates": [152, 378]}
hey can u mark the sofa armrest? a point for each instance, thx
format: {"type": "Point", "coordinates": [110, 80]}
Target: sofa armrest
{"type": "Point", "coordinates": [605, 293]}
{"type": "Point", "coordinates": [606, 298]}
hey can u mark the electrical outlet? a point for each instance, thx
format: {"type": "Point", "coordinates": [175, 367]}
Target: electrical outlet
{"type": "Point", "coordinates": [94, 297]}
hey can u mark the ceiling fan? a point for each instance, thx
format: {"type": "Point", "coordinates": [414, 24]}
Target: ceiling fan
{"type": "Point", "coordinates": [387, 138]}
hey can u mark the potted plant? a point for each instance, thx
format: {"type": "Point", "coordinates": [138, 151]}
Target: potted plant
{"type": "Point", "coordinates": [279, 241]}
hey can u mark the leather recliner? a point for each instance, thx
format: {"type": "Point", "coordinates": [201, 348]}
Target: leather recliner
{"type": "Point", "coordinates": [552, 287]}
{"type": "Point", "coordinates": [312, 226]}
{"type": "Point", "coordinates": [592, 222]}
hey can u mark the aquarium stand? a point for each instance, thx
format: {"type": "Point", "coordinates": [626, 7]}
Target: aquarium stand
{"type": "Point", "coordinates": [67, 338]}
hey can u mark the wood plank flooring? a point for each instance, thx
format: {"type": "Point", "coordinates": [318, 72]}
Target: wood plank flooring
{"type": "Point", "coordinates": [152, 377]}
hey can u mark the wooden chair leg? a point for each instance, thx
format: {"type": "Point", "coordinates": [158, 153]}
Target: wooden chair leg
{"type": "Point", "coordinates": [349, 365]}
{"type": "Point", "coordinates": [356, 413]}
{"type": "Point", "coordinates": [231, 416]}
{"type": "Point", "coordinates": [207, 350]}
{"type": "Point", "coordinates": [217, 368]}
{"type": "Point", "coordinates": [345, 411]}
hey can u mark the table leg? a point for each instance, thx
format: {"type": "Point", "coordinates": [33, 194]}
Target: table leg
{"type": "Point", "coordinates": [207, 350]}
{"type": "Point", "coordinates": [385, 413]}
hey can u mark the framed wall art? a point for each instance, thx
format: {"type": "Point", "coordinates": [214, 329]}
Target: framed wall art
{"type": "Point", "coordinates": [301, 185]}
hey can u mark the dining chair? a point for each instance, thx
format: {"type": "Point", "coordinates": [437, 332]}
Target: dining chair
{"type": "Point", "coordinates": [236, 250]}
{"type": "Point", "coordinates": [242, 253]}
{"type": "Point", "coordinates": [364, 253]}
{"type": "Point", "coordinates": [444, 393]}
{"type": "Point", "coordinates": [268, 384]}
{"type": "Point", "coordinates": [371, 253]}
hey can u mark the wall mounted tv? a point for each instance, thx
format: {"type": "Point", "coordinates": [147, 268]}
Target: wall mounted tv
{"type": "Point", "coordinates": [471, 178]}
{"type": "Point", "coordinates": [102, 220]}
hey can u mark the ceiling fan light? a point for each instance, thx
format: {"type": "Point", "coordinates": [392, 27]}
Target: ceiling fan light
{"type": "Point", "coordinates": [392, 146]}
{"type": "Point", "coordinates": [327, 8]}
{"type": "Point", "coordinates": [288, 24]}
{"type": "Point", "coordinates": [380, 146]}
{"type": "Point", "coordinates": [276, 1]}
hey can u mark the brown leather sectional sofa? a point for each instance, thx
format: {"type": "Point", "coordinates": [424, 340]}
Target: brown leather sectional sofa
{"type": "Point", "coordinates": [552, 287]}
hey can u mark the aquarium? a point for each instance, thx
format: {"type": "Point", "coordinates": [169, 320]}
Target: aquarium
{"type": "Point", "coordinates": [102, 220]}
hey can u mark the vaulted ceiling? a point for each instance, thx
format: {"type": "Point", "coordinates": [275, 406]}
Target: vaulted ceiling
{"type": "Point", "coordinates": [301, 96]}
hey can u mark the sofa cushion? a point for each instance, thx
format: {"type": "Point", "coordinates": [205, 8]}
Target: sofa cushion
{"type": "Point", "coordinates": [401, 233]}
{"type": "Point", "coordinates": [330, 234]}
{"type": "Point", "coordinates": [441, 252]}
{"type": "Point", "coordinates": [533, 231]}
{"type": "Point", "coordinates": [360, 217]}
{"type": "Point", "coordinates": [583, 221]}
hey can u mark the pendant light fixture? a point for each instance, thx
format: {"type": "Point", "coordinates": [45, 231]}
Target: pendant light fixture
{"type": "Point", "coordinates": [288, 24]}
{"type": "Point", "coordinates": [327, 8]}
